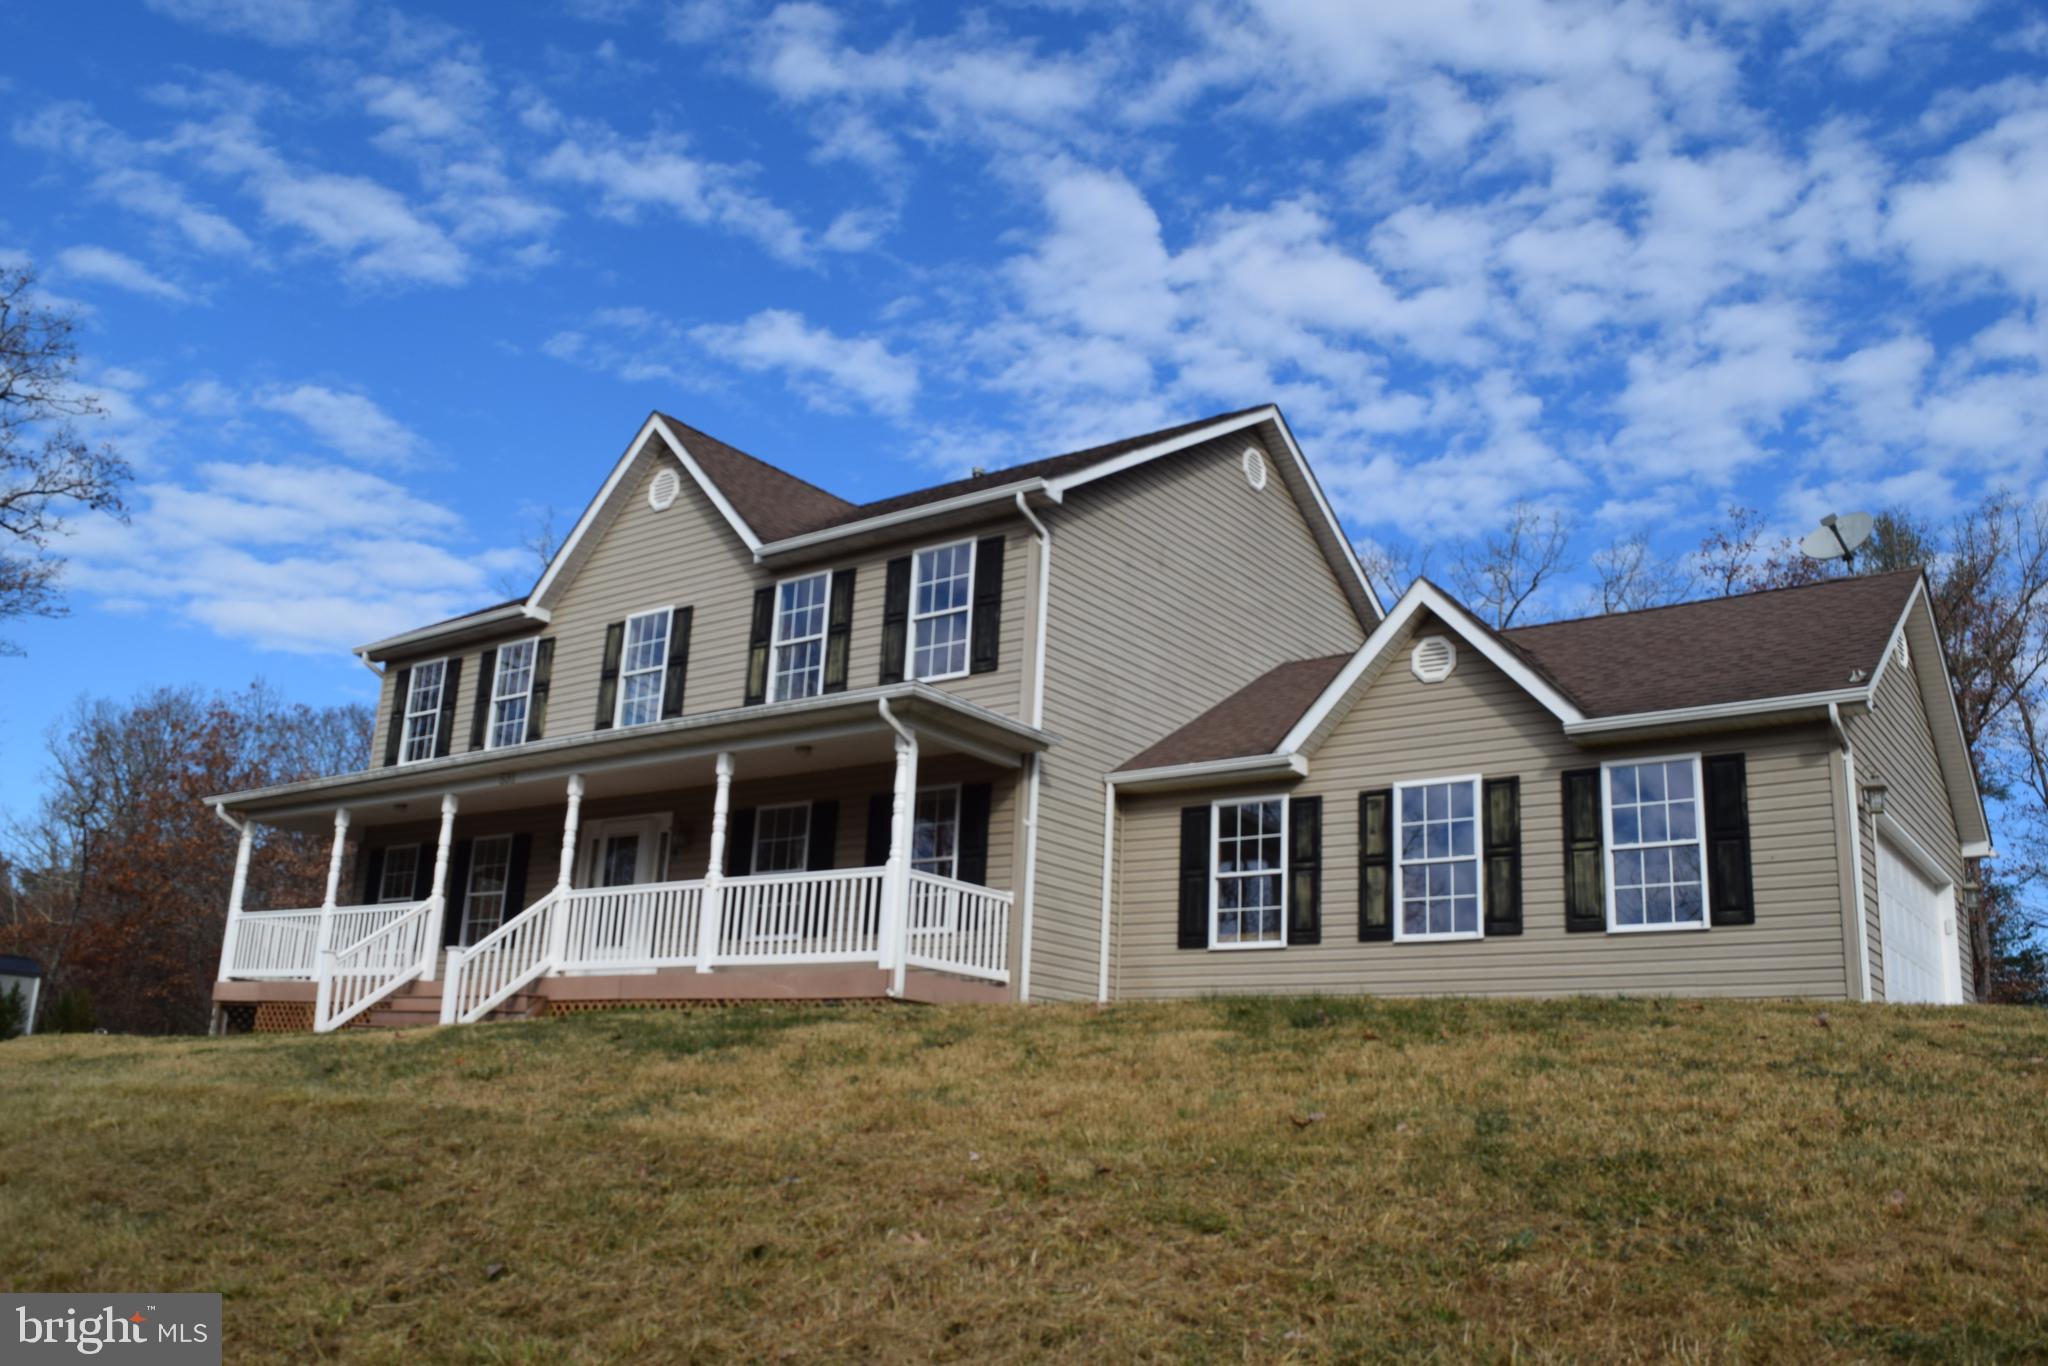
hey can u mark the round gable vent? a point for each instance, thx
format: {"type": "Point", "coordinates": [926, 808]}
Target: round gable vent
{"type": "Point", "coordinates": [1255, 467]}
{"type": "Point", "coordinates": [1434, 658]}
{"type": "Point", "coordinates": [663, 488]}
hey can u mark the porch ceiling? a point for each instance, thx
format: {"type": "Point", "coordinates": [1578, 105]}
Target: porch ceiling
{"type": "Point", "coordinates": [816, 734]}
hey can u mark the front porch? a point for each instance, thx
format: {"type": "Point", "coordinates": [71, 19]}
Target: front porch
{"type": "Point", "coordinates": [766, 916]}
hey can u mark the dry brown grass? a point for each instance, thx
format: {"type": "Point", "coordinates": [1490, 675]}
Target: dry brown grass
{"type": "Point", "coordinates": [1226, 1179]}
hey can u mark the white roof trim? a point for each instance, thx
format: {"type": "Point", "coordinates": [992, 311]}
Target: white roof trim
{"type": "Point", "coordinates": [1004, 493]}
{"type": "Point", "coordinates": [1424, 595]}
{"type": "Point", "coordinates": [1715, 711]}
{"type": "Point", "coordinates": [1918, 598]}
{"type": "Point", "coordinates": [513, 611]}
{"type": "Point", "coordinates": [1279, 766]}
{"type": "Point", "coordinates": [648, 429]}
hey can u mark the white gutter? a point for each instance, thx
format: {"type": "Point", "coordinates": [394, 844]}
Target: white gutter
{"type": "Point", "coordinates": [1108, 851]}
{"type": "Point", "coordinates": [916, 513]}
{"type": "Point", "coordinates": [1280, 766]}
{"type": "Point", "coordinates": [1679, 716]}
{"type": "Point", "coordinates": [474, 621]}
{"type": "Point", "coordinates": [1028, 891]}
{"type": "Point", "coordinates": [1855, 843]}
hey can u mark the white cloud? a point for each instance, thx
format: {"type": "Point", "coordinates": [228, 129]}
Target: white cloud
{"type": "Point", "coordinates": [1978, 214]}
{"type": "Point", "coordinates": [350, 424]}
{"type": "Point", "coordinates": [119, 175]}
{"type": "Point", "coordinates": [826, 367]}
{"type": "Point", "coordinates": [104, 266]}
{"type": "Point", "coordinates": [282, 23]}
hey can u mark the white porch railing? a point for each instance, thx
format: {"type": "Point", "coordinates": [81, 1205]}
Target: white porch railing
{"type": "Point", "coordinates": [653, 925]}
{"type": "Point", "coordinates": [356, 977]}
{"type": "Point", "coordinates": [489, 972]}
{"type": "Point", "coordinates": [286, 944]}
{"type": "Point", "coordinates": [831, 917]}
{"type": "Point", "coordinates": [958, 927]}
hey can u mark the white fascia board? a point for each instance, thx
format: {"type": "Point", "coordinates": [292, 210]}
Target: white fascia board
{"type": "Point", "coordinates": [1919, 599]}
{"type": "Point", "coordinates": [1420, 595]}
{"type": "Point", "coordinates": [517, 611]}
{"type": "Point", "coordinates": [1719, 711]}
{"type": "Point", "coordinates": [1004, 493]}
{"type": "Point", "coordinates": [1979, 849]}
{"type": "Point", "coordinates": [1330, 514]}
{"type": "Point", "coordinates": [649, 429]}
{"type": "Point", "coordinates": [1278, 767]}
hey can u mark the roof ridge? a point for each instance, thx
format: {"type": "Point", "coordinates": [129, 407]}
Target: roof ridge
{"type": "Point", "coordinates": [1845, 579]}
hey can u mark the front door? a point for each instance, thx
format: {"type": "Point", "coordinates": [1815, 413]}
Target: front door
{"type": "Point", "coordinates": [619, 853]}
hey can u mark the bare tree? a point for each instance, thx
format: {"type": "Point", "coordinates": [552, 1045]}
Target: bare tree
{"type": "Point", "coordinates": [1630, 576]}
{"type": "Point", "coordinates": [1498, 574]}
{"type": "Point", "coordinates": [1391, 566]}
{"type": "Point", "coordinates": [46, 467]}
{"type": "Point", "coordinates": [542, 539]}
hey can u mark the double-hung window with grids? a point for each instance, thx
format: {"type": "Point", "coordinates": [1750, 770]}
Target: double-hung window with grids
{"type": "Point", "coordinates": [641, 668]}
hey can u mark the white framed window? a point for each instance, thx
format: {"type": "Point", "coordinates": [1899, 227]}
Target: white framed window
{"type": "Point", "coordinates": [511, 694]}
{"type": "Point", "coordinates": [799, 640]}
{"type": "Point", "coordinates": [423, 711]}
{"type": "Point", "coordinates": [1248, 873]}
{"type": "Point", "coordinates": [1436, 859]}
{"type": "Point", "coordinates": [1656, 846]}
{"type": "Point", "coordinates": [941, 610]}
{"type": "Point", "coordinates": [782, 838]}
{"type": "Point", "coordinates": [642, 667]}
{"type": "Point", "coordinates": [935, 831]}
{"type": "Point", "coordinates": [483, 901]}
{"type": "Point", "coordinates": [401, 874]}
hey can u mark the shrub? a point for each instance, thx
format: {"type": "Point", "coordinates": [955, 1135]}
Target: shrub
{"type": "Point", "coordinates": [70, 1013]}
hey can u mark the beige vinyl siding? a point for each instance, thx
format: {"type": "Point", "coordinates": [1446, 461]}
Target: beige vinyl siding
{"type": "Point", "coordinates": [1479, 721]}
{"type": "Point", "coordinates": [690, 819]}
{"type": "Point", "coordinates": [688, 556]}
{"type": "Point", "coordinates": [1895, 745]}
{"type": "Point", "coordinates": [1173, 585]}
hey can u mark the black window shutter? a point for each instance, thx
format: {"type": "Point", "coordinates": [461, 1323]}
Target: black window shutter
{"type": "Point", "coordinates": [1732, 895]}
{"type": "Point", "coordinates": [608, 675]}
{"type": "Point", "coordinates": [486, 684]}
{"type": "Point", "coordinates": [758, 638]}
{"type": "Point", "coordinates": [1376, 865]}
{"type": "Point", "coordinates": [444, 735]}
{"type": "Point", "coordinates": [457, 893]}
{"type": "Point", "coordinates": [1585, 872]}
{"type": "Point", "coordinates": [838, 630]}
{"type": "Point", "coordinates": [1305, 871]}
{"type": "Point", "coordinates": [423, 872]}
{"type": "Point", "coordinates": [543, 674]}
{"type": "Point", "coordinates": [972, 864]}
{"type": "Point", "coordinates": [880, 807]}
{"type": "Point", "coordinates": [985, 639]}
{"type": "Point", "coordinates": [1503, 855]}
{"type": "Point", "coordinates": [515, 874]}
{"type": "Point", "coordinates": [678, 671]}
{"type": "Point", "coordinates": [1194, 877]}
{"type": "Point", "coordinates": [401, 697]}
{"type": "Point", "coordinates": [824, 837]}
{"type": "Point", "coordinates": [739, 843]}
{"type": "Point", "coordinates": [895, 619]}
{"type": "Point", "coordinates": [373, 875]}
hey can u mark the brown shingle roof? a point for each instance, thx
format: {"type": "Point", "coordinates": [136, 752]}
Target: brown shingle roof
{"type": "Point", "coordinates": [1784, 642]}
{"type": "Point", "coordinates": [1253, 720]}
{"type": "Point", "coordinates": [778, 505]}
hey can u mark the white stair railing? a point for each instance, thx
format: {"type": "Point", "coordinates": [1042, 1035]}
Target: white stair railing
{"type": "Point", "coordinates": [491, 971]}
{"type": "Point", "coordinates": [356, 977]}
{"type": "Point", "coordinates": [652, 925]}
{"type": "Point", "coordinates": [959, 928]}
{"type": "Point", "coordinates": [825, 917]}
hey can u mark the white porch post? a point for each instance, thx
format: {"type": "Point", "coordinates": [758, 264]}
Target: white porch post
{"type": "Point", "coordinates": [896, 924]}
{"type": "Point", "coordinates": [323, 948]}
{"type": "Point", "coordinates": [430, 951]}
{"type": "Point", "coordinates": [558, 923]}
{"type": "Point", "coordinates": [711, 908]}
{"type": "Point", "coordinates": [236, 892]}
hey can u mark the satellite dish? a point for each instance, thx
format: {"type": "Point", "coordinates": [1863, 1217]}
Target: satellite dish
{"type": "Point", "coordinates": [1838, 538]}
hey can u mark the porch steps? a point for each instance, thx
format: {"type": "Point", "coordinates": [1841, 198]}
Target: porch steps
{"type": "Point", "coordinates": [417, 1005]}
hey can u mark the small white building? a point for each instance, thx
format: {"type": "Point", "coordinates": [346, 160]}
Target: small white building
{"type": "Point", "coordinates": [24, 977]}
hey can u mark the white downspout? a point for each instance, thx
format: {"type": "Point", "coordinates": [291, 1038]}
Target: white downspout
{"type": "Point", "coordinates": [1855, 843]}
{"type": "Point", "coordinates": [1028, 890]}
{"type": "Point", "coordinates": [1108, 863]}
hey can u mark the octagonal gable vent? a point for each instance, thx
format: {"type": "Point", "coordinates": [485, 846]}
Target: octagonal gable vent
{"type": "Point", "coordinates": [1904, 652]}
{"type": "Point", "coordinates": [1433, 659]}
{"type": "Point", "coordinates": [663, 488]}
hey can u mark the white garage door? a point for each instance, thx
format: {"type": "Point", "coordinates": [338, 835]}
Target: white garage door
{"type": "Point", "coordinates": [1914, 917]}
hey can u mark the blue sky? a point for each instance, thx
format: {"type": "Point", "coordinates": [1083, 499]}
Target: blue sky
{"type": "Point", "coordinates": [366, 290]}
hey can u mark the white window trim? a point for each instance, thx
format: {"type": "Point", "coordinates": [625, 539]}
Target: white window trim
{"type": "Point", "coordinates": [910, 629]}
{"type": "Point", "coordinates": [1699, 832]}
{"type": "Point", "coordinates": [1478, 785]}
{"type": "Point", "coordinates": [668, 644]}
{"type": "Point", "coordinates": [377, 897]}
{"type": "Point", "coordinates": [776, 640]}
{"type": "Point", "coordinates": [497, 671]}
{"type": "Point", "coordinates": [505, 911]}
{"type": "Point", "coordinates": [754, 854]}
{"type": "Point", "coordinates": [933, 790]}
{"type": "Point", "coordinates": [1215, 869]}
{"type": "Point", "coordinates": [406, 713]}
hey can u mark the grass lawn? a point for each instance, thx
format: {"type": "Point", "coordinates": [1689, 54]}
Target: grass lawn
{"type": "Point", "coordinates": [1207, 1180]}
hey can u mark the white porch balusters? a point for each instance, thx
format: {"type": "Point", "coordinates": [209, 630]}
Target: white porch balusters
{"type": "Point", "coordinates": [558, 923]}
{"type": "Point", "coordinates": [236, 891]}
{"type": "Point", "coordinates": [711, 911]}
{"type": "Point", "coordinates": [896, 896]}
{"type": "Point", "coordinates": [430, 952]}
{"type": "Point", "coordinates": [323, 947]}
